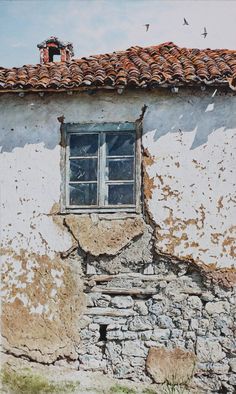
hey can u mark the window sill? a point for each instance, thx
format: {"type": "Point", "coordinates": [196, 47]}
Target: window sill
{"type": "Point", "coordinates": [118, 211]}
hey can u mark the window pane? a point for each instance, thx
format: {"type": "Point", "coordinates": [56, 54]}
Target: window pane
{"type": "Point", "coordinates": [83, 170]}
{"type": "Point", "coordinates": [83, 194]}
{"type": "Point", "coordinates": [120, 194]}
{"type": "Point", "coordinates": [84, 144]}
{"type": "Point", "coordinates": [120, 144]}
{"type": "Point", "coordinates": [120, 169]}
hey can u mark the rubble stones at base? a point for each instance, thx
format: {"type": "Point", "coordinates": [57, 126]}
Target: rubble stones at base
{"type": "Point", "coordinates": [183, 314]}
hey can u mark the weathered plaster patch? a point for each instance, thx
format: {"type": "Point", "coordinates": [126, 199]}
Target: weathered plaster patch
{"type": "Point", "coordinates": [148, 182]}
{"type": "Point", "coordinates": [40, 320]}
{"type": "Point", "coordinates": [103, 236]}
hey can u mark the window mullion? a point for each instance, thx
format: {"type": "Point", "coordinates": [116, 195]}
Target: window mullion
{"type": "Point", "coordinates": [102, 169]}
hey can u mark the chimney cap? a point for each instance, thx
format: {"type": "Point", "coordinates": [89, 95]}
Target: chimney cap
{"type": "Point", "coordinates": [60, 44]}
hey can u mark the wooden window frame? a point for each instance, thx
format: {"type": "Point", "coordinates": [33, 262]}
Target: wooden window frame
{"type": "Point", "coordinates": [96, 128]}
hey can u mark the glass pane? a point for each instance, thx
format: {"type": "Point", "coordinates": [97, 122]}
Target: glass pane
{"type": "Point", "coordinates": [120, 194]}
{"type": "Point", "coordinates": [120, 169]}
{"type": "Point", "coordinates": [83, 170]}
{"type": "Point", "coordinates": [120, 144]}
{"type": "Point", "coordinates": [83, 194]}
{"type": "Point", "coordinates": [83, 144]}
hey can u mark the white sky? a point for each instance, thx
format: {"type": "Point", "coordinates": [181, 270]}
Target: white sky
{"type": "Point", "coordinates": [101, 26]}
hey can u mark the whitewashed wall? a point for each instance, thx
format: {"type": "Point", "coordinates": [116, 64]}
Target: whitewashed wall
{"type": "Point", "coordinates": [190, 136]}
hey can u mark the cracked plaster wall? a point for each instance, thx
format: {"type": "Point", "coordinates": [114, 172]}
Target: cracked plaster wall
{"type": "Point", "coordinates": [188, 175]}
{"type": "Point", "coordinates": [192, 200]}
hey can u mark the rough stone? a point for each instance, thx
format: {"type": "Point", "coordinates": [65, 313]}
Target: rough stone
{"type": "Point", "coordinates": [160, 334]}
{"type": "Point", "coordinates": [144, 335]}
{"type": "Point", "coordinates": [139, 323]}
{"type": "Point", "coordinates": [130, 335]}
{"type": "Point", "coordinates": [114, 335]}
{"type": "Point", "coordinates": [227, 344]}
{"type": "Point", "coordinates": [164, 321]}
{"type": "Point", "coordinates": [89, 300]}
{"type": "Point", "coordinates": [209, 350]}
{"type": "Point", "coordinates": [190, 335]}
{"type": "Point", "coordinates": [134, 348]}
{"type": "Point", "coordinates": [173, 366]}
{"type": "Point", "coordinates": [123, 370]}
{"type": "Point", "coordinates": [153, 344]}
{"type": "Point", "coordinates": [232, 364]}
{"type": "Point", "coordinates": [213, 308]}
{"type": "Point", "coordinates": [156, 308]}
{"type": "Point", "coordinates": [181, 324]}
{"type": "Point", "coordinates": [149, 270]}
{"type": "Point", "coordinates": [189, 313]}
{"type": "Point", "coordinates": [141, 308]}
{"type": "Point", "coordinates": [87, 334]}
{"type": "Point", "coordinates": [232, 380]}
{"type": "Point", "coordinates": [137, 361]}
{"type": "Point", "coordinates": [194, 324]}
{"type": "Point", "coordinates": [179, 297]}
{"type": "Point", "coordinates": [120, 335]}
{"type": "Point", "coordinates": [224, 323]}
{"type": "Point", "coordinates": [122, 302]}
{"type": "Point", "coordinates": [175, 333]}
{"type": "Point", "coordinates": [207, 296]}
{"type": "Point", "coordinates": [103, 301]}
{"type": "Point", "coordinates": [113, 352]}
{"type": "Point", "coordinates": [84, 321]}
{"type": "Point", "coordinates": [195, 302]}
{"type": "Point", "coordinates": [109, 320]}
{"type": "Point", "coordinates": [90, 269]}
{"type": "Point", "coordinates": [93, 327]}
{"type": "Point", "coordinates": [220, 369]}
{"type": "Point", "coordinates": [89, 362]}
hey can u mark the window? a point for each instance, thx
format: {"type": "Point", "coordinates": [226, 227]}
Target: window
{"type": "Point", "coordinates": [101, 167]}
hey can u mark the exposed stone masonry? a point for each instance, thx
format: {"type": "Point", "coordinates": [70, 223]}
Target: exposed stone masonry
{"type": "Point", "coordinates": [156, 304]}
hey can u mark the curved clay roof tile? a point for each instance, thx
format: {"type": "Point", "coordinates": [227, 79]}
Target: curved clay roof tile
{"type": "Point", "coordinates": [140, 67]}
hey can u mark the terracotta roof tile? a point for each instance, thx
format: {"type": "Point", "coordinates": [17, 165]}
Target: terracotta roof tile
{"type": "Point", "coordinates": [162, 65]}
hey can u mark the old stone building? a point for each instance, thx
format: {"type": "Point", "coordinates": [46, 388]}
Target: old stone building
{"type": "Point", "coordinates": [117, 213]}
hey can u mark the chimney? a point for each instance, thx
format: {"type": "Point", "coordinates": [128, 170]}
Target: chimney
{"type": "Point", "coordinates": [54, 47]}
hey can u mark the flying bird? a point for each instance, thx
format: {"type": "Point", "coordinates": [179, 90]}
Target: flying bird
{"type": "Point", "coordinates": [185, 22]}
{"type": "Point", "coordinates": [147, 26]}
{"type": "Point", "coordinates": [204, 33]}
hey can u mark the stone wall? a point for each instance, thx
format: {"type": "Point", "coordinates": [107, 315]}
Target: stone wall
{"type": "Point", "coordinates": [155, 302]}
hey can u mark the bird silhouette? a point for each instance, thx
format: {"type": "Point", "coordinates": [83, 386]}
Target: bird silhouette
{"type": "Point", "coordinates": [185, 22]}
{"type": "Point", "coordinates": [204, 34]}
{"type": "Point", "coordinates": [147, 26]}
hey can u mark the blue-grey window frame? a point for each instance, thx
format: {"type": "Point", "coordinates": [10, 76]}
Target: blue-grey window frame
{"type": "Point", "coordinates": [86, 128]}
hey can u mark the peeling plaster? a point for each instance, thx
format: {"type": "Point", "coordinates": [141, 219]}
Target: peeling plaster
{"type": "Point", "coordinates": [190, 202]}
{"type": "Point", "coordinates": [188, 185]}
{"type": "Point", "coordinates": [40, 319]}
